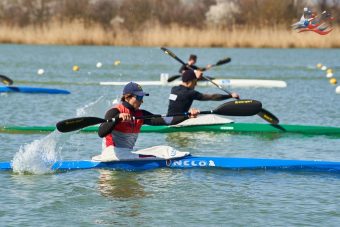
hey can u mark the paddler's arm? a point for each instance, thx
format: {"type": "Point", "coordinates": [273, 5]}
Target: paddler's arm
{"type": "Point", "coordinates": [196, 95]}
{"type": "Point", "coordinates": [218, 97]}
{"type": "Point", "coordinates": [205, 68]}
{"type": "Point", "coordinates": [156, 120]}
{"type": "Point", "coordinates": [107, 127]}
{"type": "Point", "coordinates": [163, 120]}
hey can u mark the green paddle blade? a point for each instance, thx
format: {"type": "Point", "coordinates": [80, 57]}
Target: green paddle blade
{"type": "Point", "coordinates": [74, 124]}
{"type": "Point", "coordinates": [5, 80]}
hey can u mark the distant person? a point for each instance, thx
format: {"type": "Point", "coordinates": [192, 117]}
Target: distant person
{"type": "Point", "coordinates": [191, 62]}
{"type": "Point", "coordinates": [183, 95]}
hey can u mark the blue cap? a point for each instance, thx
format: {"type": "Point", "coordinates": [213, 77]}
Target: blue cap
{"type": "Point", "coordinates": [135, 89]}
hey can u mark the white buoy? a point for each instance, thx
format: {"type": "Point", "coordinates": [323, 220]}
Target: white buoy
{"type": "Point", "coordinates": [329, 75]}
{"type": "Point", "coordinates": [337, 90]}
{"type": "Point", "coordinates": [323, 67]}
{"type": "Point", "coordinates": [40, 71]}
{"type": "Point", "coordinates": [99, 65]}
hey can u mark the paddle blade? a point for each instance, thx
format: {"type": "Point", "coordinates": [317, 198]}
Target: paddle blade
{"type": "Point", "coordinates": [268, 116]}
{"type": "Point", "coordinates": [174, 77]}
{"type": "Point", "coordinates": [223, 61]}
{"type": "Point", "coordinates": [74, 124]}
{"type": "Point", "coordinates": [6, 80]}
{"type": "Point", "coordinates": [243, 107]}
{"type": "Point", "coordinates": [168, 52]}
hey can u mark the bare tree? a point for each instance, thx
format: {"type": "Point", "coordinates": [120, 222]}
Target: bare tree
{"type": "Point", "coordinates": [266, 12]}
{"type": "Point", "coordinates": [40, 11]}
{"type": "Point", "coordinates": [103, 12]}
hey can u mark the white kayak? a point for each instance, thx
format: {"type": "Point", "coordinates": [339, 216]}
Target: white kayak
{"type": "Point", "coordinates": [222, 82]}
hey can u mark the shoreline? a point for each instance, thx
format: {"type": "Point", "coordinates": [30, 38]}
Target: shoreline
{"type": "Point", "coordinates": [174, 36]}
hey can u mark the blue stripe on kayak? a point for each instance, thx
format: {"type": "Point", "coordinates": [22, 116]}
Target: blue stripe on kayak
{"type": "Point", "coordinates": [253, 163]}
{"type": "Point", "coordinates": [5, 166]}
{"type": "Point", "coordinates": [134, 165]}
{"type": "Point", "coordinates": [24, 89]}
{"type": "Point", "coordinates": [195, 162]}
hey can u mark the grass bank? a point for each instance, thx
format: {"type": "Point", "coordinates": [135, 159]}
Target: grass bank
{"type": "Point", "coordinates": [175, 36]}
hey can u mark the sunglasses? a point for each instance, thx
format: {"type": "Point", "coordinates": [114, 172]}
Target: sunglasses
{"type": "Point", "coordinates": [139, 98]}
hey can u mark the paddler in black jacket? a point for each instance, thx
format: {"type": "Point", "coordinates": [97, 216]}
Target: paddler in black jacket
{"type": "Point", "coordinates": [182, 96]}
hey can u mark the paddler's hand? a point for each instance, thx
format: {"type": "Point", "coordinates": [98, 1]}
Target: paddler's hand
{"type": "Point", "coordinates": [125, 117]}
{"type": "Point", "coordinates": [235, 95]}
{"type": "Point", "coordinates": [198, 74]}
{"type": "Point", "coordinates": [194, 112]}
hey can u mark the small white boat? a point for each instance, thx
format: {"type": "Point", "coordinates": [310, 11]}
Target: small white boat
{"type": "Point", "coordinates": [337, 90]}
{"type": "Point", "coordinates": [222, 82]}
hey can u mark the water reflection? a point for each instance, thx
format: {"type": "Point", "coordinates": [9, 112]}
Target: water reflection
{"type": "Point", "coordinates": [120, 185]}
{"type": "Point", "coordinates": [178, 139]}
{"type": "Point", "coordinates": [187, 139]}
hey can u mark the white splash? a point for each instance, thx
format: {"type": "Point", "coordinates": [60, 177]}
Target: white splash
{"type": "Point", "coordinates": [97, 108]}
{"type": "Point", "coordinates": [38, 156]}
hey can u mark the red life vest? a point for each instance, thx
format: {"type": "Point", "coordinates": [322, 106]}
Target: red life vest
{"type": "Point", "coordinates": [129, 130]}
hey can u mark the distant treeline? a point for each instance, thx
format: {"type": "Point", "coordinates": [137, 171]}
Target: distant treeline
{"type": "Point", "coordinates": [181, 23]}
{"type": "Point", "coordinates": [136, 15]}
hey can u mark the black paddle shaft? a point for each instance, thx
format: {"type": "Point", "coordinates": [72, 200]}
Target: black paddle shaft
{"type": "Point", "coordinates": [234, 108]}
{"type": "Point", "coordinates": [220, 62]}
{"type": "Point", "coordinates": [264, 114]}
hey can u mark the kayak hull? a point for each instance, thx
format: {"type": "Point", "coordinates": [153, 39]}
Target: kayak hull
{"type": "Point", "coordinates": [190, 162]}
{"type": "Point", "coordinates": [224, 128]}
{"type": "Point", "coordinates": [23, 89]}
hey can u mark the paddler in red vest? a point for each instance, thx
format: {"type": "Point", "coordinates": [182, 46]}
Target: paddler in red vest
{"type": "Point", "coordinates": [120, 136]}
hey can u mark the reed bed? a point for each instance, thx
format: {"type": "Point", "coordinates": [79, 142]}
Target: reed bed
{"type": "Point", "coordinates": [175, 36]}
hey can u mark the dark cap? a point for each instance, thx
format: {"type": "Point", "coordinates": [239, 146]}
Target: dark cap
{"type": "Point", "coordinates": [188, 75]}
{"type": "Point", "coordinates": [135, 89]}
{"type": "Point", "coordinates": [193, 57]}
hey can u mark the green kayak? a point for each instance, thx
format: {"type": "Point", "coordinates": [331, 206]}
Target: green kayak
{"type": "Point", "coordinates": [228, 127]}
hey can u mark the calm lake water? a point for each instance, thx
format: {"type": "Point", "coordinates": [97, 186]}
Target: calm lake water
{"type": "Point", "coordinates": [168, 197]}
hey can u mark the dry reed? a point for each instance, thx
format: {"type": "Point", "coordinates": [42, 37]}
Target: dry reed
{"type": "Point", "coordinates": [176, 36]}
